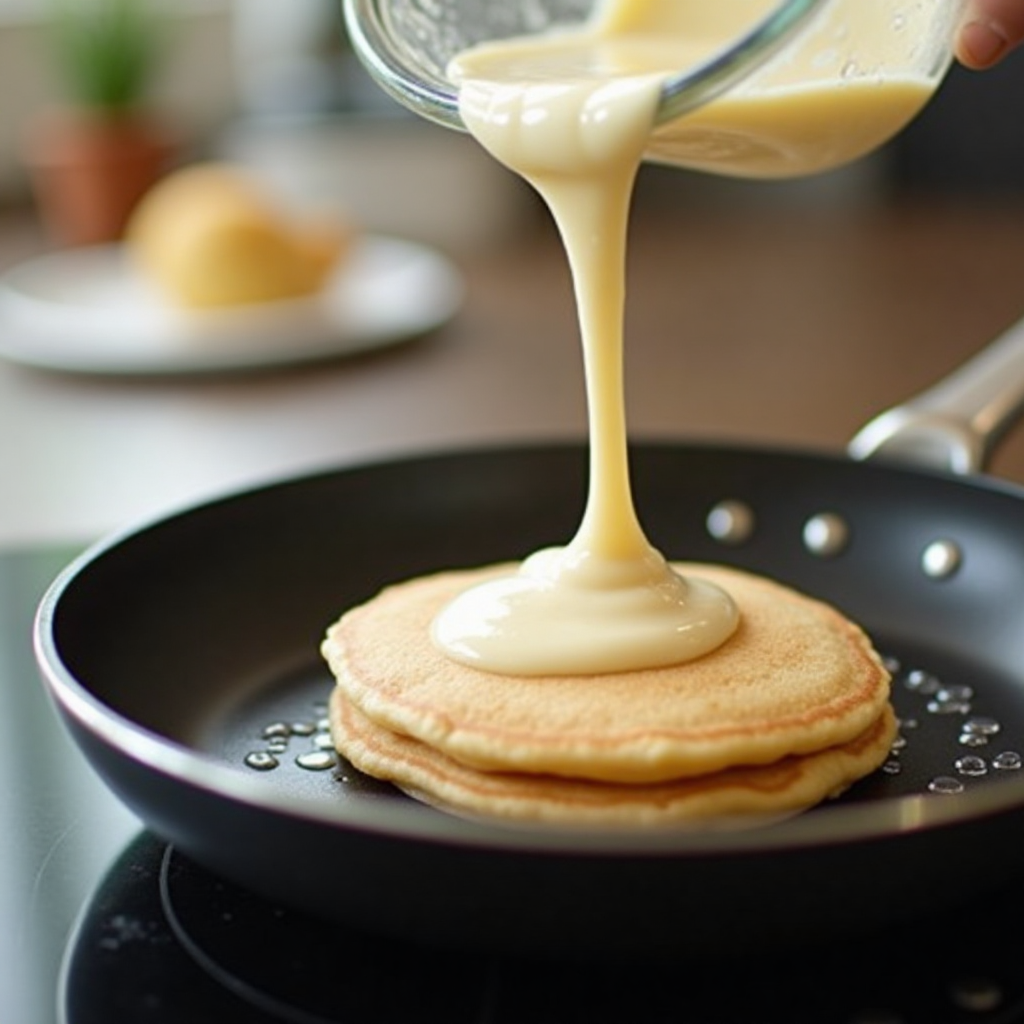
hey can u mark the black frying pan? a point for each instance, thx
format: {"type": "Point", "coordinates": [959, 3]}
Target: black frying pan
{"type": "Point", "coordinates": [170, 649]}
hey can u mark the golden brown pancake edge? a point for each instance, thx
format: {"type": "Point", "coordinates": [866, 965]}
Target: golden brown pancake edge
{"type": "Point", "coordinates": [733, 798]}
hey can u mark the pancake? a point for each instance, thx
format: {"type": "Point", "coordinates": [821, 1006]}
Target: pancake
{"type": "Point", "coordinates": [735, 797]}
{"type": "Point", "coordinates": [795, 678]}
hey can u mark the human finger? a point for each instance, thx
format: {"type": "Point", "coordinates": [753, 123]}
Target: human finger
{"type": "Point", "coordinates": [990, 30]}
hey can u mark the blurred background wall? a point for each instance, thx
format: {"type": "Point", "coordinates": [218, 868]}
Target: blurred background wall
{"type": "Point", "coordinates": [272, 83]}
{"type": "Point", "coordinates": [196, 81]}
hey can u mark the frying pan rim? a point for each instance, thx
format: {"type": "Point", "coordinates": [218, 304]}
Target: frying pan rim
{"type": "Point", "coordinates": [877, 819]}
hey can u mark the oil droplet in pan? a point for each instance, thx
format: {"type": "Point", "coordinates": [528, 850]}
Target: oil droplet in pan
{"type": "Point", "coordinates": [317, 760]}
{"type": "Point", "coordinates": [972, 765]}
{"type": "Point", "coordinates": [982, 726]}
{"type": "Point", "coordinates": [1008, 760]}
{"type": "Point", "coordinates": [261, 760]}
{"type": "Point", "coordinates": [945, 785]}
{"type": "Point", "coordinates": [924, 683]}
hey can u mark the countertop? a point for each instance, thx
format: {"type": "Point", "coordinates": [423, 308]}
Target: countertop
{"type": "Point", "coordinates": [771, 324]}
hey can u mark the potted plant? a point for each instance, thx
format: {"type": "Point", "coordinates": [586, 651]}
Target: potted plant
{"type": "Point", "coordinates": [94, 156]}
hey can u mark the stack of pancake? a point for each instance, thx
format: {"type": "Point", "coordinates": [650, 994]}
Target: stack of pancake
{"type": "Point", "coordinates": [791, 710]}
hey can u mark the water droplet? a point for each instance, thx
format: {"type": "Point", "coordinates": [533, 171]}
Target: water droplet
{"type": "Point", "coordinates": [971, 765]}
{"type": "Point", "coordinates": [323, 725]}
{"type": "Point", "coordinates": [317, 760]}
{"type": "Point", "coordinates": [970, 739]}
{"type": "Point", "coordinates": [954, 693]}
{"type": "Point", "coordinates": [899, 22]}
{"type": "Point", "coordinates": [850, 69]}
{"type": "Point", "coordinates": [924, 683]}
{"type": "Point", "coordinates": [898, 744]}
{"type": "Point", "coordinates": [276, 729]}
{"type": "Point", "coordinates": [908, 723]}
{"type": "Point", "coordinates": [323, 741]}
{"type": "Point", "coordinates": [1008, 760]}
{"type": "Point", "coordinates": [892, 664]}
{"type": "Point", "coordinates": [892, 767]}
{"type": "Point", "coordinates": [277, 746]}
{"type": "Point", "coordinates": [982, 726]}
{"type": "Point", "coordinates": [261, 760]}
{"type": "Point", "coordinates": [945, 785]}
{"type": "Point", "coordinates": [948, 707]}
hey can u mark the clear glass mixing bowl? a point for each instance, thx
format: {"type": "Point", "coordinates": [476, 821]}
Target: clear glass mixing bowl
{"type": "Point", "coordinates": [407, 44]}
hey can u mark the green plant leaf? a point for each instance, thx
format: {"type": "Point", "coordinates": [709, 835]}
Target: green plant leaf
{"type": "Point", "coordinates": [107, 50]}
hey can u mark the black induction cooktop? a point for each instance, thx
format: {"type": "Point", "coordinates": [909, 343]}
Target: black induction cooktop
{"type": "Point", "coordinates": [107, 924]}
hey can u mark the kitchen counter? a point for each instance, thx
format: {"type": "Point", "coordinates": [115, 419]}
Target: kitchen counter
{"type": "Point", "coordinates": [781, 325]}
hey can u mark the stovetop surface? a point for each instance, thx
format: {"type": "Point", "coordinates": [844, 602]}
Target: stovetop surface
{"type": "Point", "coordinates": [109, 925]}
{"type": "Point", "coordinates": [163, 941]}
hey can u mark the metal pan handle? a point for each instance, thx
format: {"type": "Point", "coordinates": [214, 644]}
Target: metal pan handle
{"type": "Point", "coordinates": [955, 424]}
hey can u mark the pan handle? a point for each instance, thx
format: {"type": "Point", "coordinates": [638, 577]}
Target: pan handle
{"type": "Point", "coordinates": [955, 424]}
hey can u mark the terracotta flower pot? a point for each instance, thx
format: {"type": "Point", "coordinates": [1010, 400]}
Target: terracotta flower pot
{"type": "Point", "coordinates": [88, 170]}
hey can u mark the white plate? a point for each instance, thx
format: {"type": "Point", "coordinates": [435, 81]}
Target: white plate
{"type": "Point", "coordinates": [91, 310]}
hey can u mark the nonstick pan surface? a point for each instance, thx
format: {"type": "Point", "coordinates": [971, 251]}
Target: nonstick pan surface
{"type": "Point", "coordinates": [170, 651]}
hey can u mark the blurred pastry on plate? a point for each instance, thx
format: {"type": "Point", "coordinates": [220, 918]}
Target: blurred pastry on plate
{"type": "Point", "coordinates": [210, 236]}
